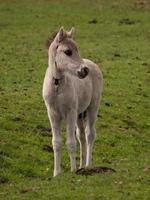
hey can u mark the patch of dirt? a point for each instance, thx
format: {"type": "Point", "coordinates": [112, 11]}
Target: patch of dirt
{"type": "Point", "coordinates": [99, 116]}
{"type": "Point", "coordinates": [129, 122]}
{"type": "Point", "coordinates": [93, 21]}
{"type": "Point", "coordinates": [145, 64]}
{"type": "Point", "coordinates": [108, 104]}
{"type": "Point", "coordinates": [3, 180]}
{"type": "Point", "coordinates": [29, 190]}
{"type": "Point", "coordinates": [117, 55]}
{"type": "Point", "coordinates": [128, 21]}
{"type": "Point", "coordinates": [129, 107]}
{"type": "Point", "coordinates": [141, 4]}
{"type": "Point", "coordinates": [44, 131]}
{"type": "Point", "coordinates": [90, 171]}
{"type": "Point", "coordinates": [147, 169]}
{"type": "Point", "coordinates": [3, 25]}
{"type": "Point", "coordinates": [17, 119]}
{"type": "Point", "coordinates": [47, 148]}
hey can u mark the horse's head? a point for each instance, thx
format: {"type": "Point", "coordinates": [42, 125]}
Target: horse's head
{"type": "Point", "coordinates": [63, 51]}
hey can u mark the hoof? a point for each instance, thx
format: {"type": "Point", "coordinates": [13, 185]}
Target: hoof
{"type": "Point", "coordinates": [56, 174]}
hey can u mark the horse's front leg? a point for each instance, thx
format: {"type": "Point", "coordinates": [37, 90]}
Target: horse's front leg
{"type": "Point", "coordinates": [71, 140]}
{"type": "Point", "coordinates": [55, 121]}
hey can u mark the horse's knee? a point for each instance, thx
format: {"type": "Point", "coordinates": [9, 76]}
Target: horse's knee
{"type": "Point", "coordinates": [80, 134]}
{"type": "Point", "coordinates": [71, 146]}
{"type": "Point", "coordinates": [90, 134]}
{"type": "Point", "coordinates": [82, 139]}
{"type": "Point", "coordinates": [56, 144]}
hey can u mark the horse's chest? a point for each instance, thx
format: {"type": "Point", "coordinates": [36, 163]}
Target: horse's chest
{"type": "Point", "coordinates": [62, 101]}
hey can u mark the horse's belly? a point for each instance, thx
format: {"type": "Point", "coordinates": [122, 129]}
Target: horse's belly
{"type": "Point", "coordinates": [83, 105]}
{"type": "Point", "coordinates": [84, 99]}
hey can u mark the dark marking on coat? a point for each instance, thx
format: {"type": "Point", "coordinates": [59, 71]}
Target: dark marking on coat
{"type": "Point", "coordinates": [56, 81]}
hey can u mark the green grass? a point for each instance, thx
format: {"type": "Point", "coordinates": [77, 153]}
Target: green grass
{"type": "Point", "coordinates": [119, 43]}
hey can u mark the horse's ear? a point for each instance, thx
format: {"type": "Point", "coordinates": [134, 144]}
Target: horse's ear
{"type": "Point", "coordinates": [61, 34]}
{"type": "Point", "coordinates": [71, 32]}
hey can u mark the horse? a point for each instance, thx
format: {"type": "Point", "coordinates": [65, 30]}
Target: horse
{"type": "Point", "coordinates": [72, 90]}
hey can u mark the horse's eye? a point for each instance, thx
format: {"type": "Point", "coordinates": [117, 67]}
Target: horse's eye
{"type": "Point", "coordinates": [68, 52]}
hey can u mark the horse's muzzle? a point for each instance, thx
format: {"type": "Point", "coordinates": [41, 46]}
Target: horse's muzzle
{"type": "Point", "coordinates": [83, 72]}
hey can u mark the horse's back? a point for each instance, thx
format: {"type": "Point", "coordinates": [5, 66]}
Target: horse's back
{"type": "Point", "coordinates": [95, 73]}
{"type": "Point", "coordinates": [96, 77]}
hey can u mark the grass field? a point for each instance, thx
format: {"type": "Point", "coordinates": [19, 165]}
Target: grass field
{"type": "Point", "coordinates": [116, 35]}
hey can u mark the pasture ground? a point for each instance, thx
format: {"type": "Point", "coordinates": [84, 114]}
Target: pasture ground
{"type": "Point", "coordinates": [116, 35]}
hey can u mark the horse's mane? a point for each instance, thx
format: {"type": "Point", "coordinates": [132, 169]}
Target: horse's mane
{"type": "Point", "coordinates": [50, 39]}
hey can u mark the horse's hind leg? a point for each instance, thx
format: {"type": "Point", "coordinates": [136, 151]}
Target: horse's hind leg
{"type": "Point", "coordinates": [80, 132]}
{"type": "Point", "coordinates": [90, 133]}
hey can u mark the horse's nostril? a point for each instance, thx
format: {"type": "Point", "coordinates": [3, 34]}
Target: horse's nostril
{"type": "Point", "coordinates": [86, 70]}
{"type": "Point", "coordinates": [83, 72]}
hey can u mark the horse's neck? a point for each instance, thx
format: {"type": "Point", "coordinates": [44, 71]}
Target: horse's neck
{"type": "Point", "coordinates": [54, 72]}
